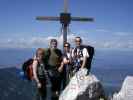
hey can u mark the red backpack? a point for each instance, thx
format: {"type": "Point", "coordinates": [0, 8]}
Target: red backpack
{"type": "Point", "coordinates": [27, 69]}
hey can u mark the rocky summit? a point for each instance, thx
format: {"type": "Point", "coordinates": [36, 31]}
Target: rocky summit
{"type": "Point", "coordinates": [83, 87]}
{"type": "Point", "coordinates": [126, 92]}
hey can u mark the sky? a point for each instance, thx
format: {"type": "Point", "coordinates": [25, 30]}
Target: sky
{"type": "Point", "coordinates": [112, 27]}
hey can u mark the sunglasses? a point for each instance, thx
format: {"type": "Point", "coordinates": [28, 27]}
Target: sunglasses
{"type": "Point", "coordinates": [77, 41]}
{"type": "Point", "coordinates": [66, 46]}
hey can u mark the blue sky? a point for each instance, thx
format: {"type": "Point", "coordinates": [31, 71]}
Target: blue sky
{"type": "Point", "coordinates": [112, 27]}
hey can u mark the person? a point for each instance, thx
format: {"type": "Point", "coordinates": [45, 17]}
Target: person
{"type": "Point", "coordinates": [67, 60]}
{"type": "Point", "coordinates": [79, 55]}
{"type": "Point", "coordinates": [54, 66]}
{"type": "Point", "coordinates": [39, 74]}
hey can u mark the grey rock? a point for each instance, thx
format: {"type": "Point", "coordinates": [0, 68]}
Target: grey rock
{"type": "Point", "coordinates": [126, 92]}
{"type": "Point", "coordinates": [94, 91]}
{"type": "Point", "coordinates": [83, 87]}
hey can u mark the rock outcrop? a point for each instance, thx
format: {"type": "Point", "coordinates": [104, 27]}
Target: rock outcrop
{"type": "Point", "coordinates": [126, 92]}
{"type": "Point", "coordinates": [83, 87]}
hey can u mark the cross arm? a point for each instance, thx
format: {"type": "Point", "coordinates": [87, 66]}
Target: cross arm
{"type": "Point", "coordinates": [84, 19]}
{"type": "Point", "coordinates": [48, 18]}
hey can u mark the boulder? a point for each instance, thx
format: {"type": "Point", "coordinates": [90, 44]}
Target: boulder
{"type": "Point", "coordinates": [126, 92]}
{"type": "Point", "coordinates": [83, 87]}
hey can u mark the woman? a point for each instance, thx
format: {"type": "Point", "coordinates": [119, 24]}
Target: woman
{"type": "Point", "coordinates": [67, 61]}
{"type": "Point", "coordinates": [39, 74]}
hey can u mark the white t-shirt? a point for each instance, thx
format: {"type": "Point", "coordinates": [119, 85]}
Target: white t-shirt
{"type": "Point", "coordinates": [84, 53]}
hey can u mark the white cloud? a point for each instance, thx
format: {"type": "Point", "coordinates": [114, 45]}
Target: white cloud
{"type": "Point", "coordinates": [102, 30]}
{"type": "Point", "coordinates": [114, 44]}
{"type": "Point", "coordinates": [32, 42]}
{"type": "Point", "coordinates": [119, 41]}
{"type": "Point", "coordinates": [122, 33]}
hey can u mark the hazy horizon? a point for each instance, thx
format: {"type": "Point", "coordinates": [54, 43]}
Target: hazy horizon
{"type": "Point", "coordinates": [112, 27]}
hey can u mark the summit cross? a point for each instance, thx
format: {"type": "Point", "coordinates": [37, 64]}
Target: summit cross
{"type": "Point", "coordinates": [65, 19]}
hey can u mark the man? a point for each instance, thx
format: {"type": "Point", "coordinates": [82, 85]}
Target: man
{"type": "Point", "coordinates": [53, 61]}
{"type": "Point", "coordinates": [79, 55]}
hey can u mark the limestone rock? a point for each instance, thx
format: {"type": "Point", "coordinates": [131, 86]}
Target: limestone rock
{"type": "Point", "coordinates": [126, 92]}
{"type": "Point", "coordinates": [83, 87]}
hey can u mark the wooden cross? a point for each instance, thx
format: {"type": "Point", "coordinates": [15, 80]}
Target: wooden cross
{"type": "Point", "coordinates": [65, 18]}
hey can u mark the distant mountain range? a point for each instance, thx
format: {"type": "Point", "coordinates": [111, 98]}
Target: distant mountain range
{"type": "Point", "coordinates": [13, 87]}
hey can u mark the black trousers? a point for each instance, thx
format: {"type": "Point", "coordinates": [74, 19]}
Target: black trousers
{"type": "Point", "coordinates": [66, 75]}
{"type": "Point", "coordinates": [55, 86]}
{"type": "Point", "coordinates": [56, 83]}
{"type": "Point", "coordinates": [41, 92]}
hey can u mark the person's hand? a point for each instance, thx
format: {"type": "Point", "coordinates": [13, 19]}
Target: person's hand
{"type": "Point", "coordinates": [60, 69]}
{"type": "Point", "coordinates": [39, 85]}
{"type": "Point", "coordinates": [65, 61]}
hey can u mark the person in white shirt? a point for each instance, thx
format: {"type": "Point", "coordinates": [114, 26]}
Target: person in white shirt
{"type": "Point", "coordinates": [79, 54]}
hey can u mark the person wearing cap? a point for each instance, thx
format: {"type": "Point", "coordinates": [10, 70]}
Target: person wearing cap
{"type": "Point", "coordinates": [54, 66]}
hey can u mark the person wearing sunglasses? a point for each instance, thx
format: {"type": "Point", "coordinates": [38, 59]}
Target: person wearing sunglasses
{"type": "Point", "coordinates": [67, 61]}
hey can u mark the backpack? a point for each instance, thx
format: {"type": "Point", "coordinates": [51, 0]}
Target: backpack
{"type": "Point", "coordinates": [91, 52]}
{"type": "Point", "coordinates": [27, 69]}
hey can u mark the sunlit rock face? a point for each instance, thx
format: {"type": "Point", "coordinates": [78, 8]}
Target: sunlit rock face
{"type": "Point", "coordinates": [83, 87]}
{"type": "Point", "coordinates": [126, 92]}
